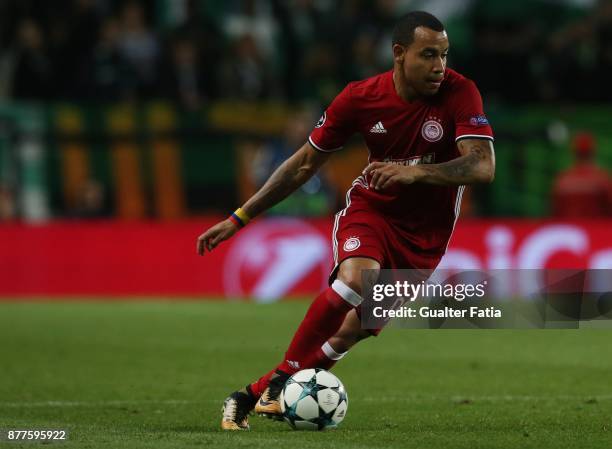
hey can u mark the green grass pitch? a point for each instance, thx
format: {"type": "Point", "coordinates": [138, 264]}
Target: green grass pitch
{"type": "Point", "coordinates": [154, 375]}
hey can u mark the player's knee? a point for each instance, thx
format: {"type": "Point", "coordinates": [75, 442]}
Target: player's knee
{"type": "Point", "coordinates": [352, 279]}
{"type": "Point", "coordinates": [350, 271]}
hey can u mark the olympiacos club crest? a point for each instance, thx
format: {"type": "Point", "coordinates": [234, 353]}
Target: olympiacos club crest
{"type": "Point", "coordinates": [351, 244]}
{"type": "Point", "coordinates": [432, 130]}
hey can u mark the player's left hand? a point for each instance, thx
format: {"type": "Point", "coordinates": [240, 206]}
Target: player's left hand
{"type": "Point", "coordinates": [385, 174]}
{"type": "Point", "coordinates": [215, 235]}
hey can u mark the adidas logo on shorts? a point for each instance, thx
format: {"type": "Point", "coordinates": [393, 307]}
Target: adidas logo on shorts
{"type": "Point", "coordinates": [378, 128]}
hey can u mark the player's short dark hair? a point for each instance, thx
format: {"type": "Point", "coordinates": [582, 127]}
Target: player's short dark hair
{"type": "Point", "coordinates": [403, 32]}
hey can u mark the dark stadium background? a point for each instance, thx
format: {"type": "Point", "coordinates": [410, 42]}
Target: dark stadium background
{"type": "Point", "coordinates": [132, 126]}
{"type": "Point", "coordinates": [128, 127]}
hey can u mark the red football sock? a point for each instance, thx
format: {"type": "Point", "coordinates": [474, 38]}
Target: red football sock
{"type": "Point", "coordinates": [322, 320]}
{"type": "Point", "coordinates": [325, 357]}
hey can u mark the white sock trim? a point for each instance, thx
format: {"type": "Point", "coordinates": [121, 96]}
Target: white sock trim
{"type": "Point", "coordinates": [347, 293]}
{"type": "Point", "coordinates": [330, 353]}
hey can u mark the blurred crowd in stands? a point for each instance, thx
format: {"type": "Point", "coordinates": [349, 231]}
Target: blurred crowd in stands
{"type": "Point", "coordinates": [298, 52]}
{"type": "Point", "coordinates": [197, 51]}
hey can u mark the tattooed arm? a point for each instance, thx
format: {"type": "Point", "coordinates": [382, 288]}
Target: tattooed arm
{"type": "Point", "coordinates": [475, 165]}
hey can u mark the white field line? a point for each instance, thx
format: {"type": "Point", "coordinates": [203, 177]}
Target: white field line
{"type": "Point", "coordinates": [117, 403]}
{"type": "Point", "coordinates": [477, 398]}
{"type": "Point", "coordinates": [398, 398]}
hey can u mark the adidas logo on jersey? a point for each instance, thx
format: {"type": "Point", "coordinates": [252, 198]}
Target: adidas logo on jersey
{"type": "Point", "coordinates": [378, 128]}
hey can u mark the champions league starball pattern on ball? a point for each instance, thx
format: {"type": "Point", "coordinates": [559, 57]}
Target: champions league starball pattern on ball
{"type": "Point", "coordinates": [313, 399]}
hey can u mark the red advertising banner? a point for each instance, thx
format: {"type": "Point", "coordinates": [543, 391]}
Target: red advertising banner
{"type": "Point", "coordinates": [268, 260]}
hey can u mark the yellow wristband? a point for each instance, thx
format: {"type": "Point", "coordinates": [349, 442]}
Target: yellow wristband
{"type": "Point", "coordinates": [240, 217]}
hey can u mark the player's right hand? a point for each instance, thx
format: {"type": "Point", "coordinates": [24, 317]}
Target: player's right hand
{"type": "Point", "coordinates": [215, 235]}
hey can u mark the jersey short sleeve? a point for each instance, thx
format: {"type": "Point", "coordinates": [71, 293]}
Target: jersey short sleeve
{"type": "Point", "coordinates": [470, 120]}
{"type": "Point", "coordinates": [336, 124]}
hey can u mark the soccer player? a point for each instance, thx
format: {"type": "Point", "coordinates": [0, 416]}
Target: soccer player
{"type": "Point", "coordinates": [427, 137]}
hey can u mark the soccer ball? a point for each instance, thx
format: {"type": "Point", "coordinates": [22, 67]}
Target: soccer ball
{"type": "Point", "coordinates": [313, 399]}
